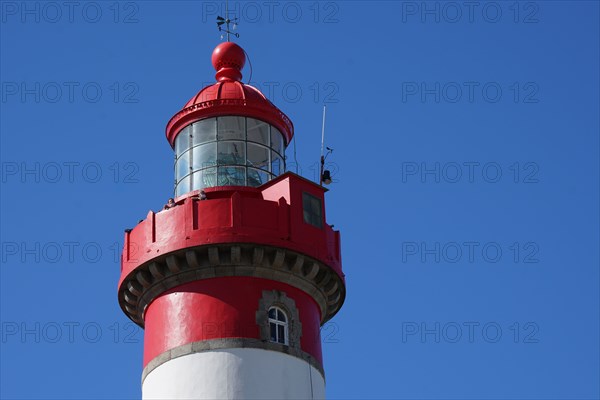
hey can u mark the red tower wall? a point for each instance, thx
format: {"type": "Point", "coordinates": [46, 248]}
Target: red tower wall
{"type": "Point", "coordinates": [221, 308]}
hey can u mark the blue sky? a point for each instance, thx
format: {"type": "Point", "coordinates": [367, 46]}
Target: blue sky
{"type": "Point", "coordinates": [467, 187]}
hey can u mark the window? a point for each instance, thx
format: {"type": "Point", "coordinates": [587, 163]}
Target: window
{"type": "Point", "coordinates": [313, 214]}
{"type": "Point", "coordinates": [278, 319]}
{"type": "Point", "coordinates": [225, 151]}
{"type": "Point", "coordinates": [278, 325]}
{"type": "Point", "coordinates": [258, 131]}
{"type": "Point", "coordinates": [231, 128]}
{"type": "Point", "coordinates": [204, 131]}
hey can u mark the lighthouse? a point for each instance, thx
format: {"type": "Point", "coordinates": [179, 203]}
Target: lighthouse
{"type": "Point", "coordinates": [233, 279]}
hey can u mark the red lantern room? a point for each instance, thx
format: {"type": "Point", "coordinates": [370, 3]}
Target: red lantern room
{"type": "Point", "coordinates": [233, 280]}
{"type": "Point", "coordinates": [229, 134]}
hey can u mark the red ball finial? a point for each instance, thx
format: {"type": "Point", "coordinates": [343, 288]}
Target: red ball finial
{"type": "Point", "coordinates": [228, 59]}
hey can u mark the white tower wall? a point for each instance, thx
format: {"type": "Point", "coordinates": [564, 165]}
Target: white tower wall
{"type": "Point", "coordinates": [242, 373]}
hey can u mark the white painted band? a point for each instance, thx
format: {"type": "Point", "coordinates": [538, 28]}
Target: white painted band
{"type": "Point", "coordinates": [241, 373]}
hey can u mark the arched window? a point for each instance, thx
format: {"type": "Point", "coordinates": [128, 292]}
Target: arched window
{"type": "Point", "coordinates": [278, 319]}
{"type": "Point", "coordinates": [278, 324]}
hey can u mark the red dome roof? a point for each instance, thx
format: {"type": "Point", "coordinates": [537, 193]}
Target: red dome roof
{"type": "Point", "coordinates": [229, 96]}
{"type": "Point", "coordinates": [234, 90]}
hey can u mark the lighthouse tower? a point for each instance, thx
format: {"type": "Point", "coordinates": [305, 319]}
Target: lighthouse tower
{"type": "Point", "coordinates": [233, 280]}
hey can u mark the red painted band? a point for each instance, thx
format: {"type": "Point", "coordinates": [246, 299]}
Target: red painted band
{"type": "Point", "coordinates": [221, 308]}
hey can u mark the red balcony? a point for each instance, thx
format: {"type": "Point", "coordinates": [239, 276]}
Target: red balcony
{"type": "Point", "coordinates": [272, 215]}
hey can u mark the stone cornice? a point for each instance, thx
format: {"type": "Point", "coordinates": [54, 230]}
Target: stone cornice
{"type": "Point", "coordinates": [232, 259]}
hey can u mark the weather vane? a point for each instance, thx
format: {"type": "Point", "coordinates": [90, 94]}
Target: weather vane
{"type": "Point", "coordinates": [227, 22]}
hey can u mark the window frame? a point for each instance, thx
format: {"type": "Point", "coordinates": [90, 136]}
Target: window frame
{"type": "Point", "coordinates": [307, 215]}
{"type": "Point", "coordinates": [276, 298]}
{"type": "Point", "coordinates": [277, 323]}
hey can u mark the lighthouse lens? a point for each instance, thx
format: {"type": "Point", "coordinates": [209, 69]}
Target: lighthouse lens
{"type": "Point", "coordinates": [227, 151]}
{"type": "Point", "coordinates": [183, 186]}
{"type": "Point", "coordinates": [182, 165]}
{"type": "Point", "coordinates": [258, 156]}
{"type": "Point", "coordinates": [277, 140]}
{"type": "Point", "coordinates": [231, 128]}
{"type": "Point", "coordinates": [231, 176]}
{"type": "Point", "coordinates": [276, 164]}
{"type": "Point", "coordinates": [231, 153]}
{"type": "Point", "coordinates": [182, 143]}
{"type": "Point", "coordinates": [257, 177]}
{"type": "Point", "coordinates": [205, 178]}
{"type": "Point", "coordinates": [204, 131]}
{"type": "Point", "coordinates": [258, 131]}
{"type": "Point", "coordinates": [204, 156]}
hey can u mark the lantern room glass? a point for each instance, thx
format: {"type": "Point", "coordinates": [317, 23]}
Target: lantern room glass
{"type": "Point", "coordinates": [227, 151]}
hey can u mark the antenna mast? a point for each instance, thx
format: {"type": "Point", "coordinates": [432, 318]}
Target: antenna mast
{"type": "Point", "coordinates": [227, 16]}
{"type": "Point", "coordinates": [323, 131]}
{"type": "Point", "coordinates": [324, 176]}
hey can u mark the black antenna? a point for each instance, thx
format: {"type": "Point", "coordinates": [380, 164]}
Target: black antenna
{"type": "Point", "coordinates": [325, 175]}
{"type": "Point", "coordinates": [227, 21]}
